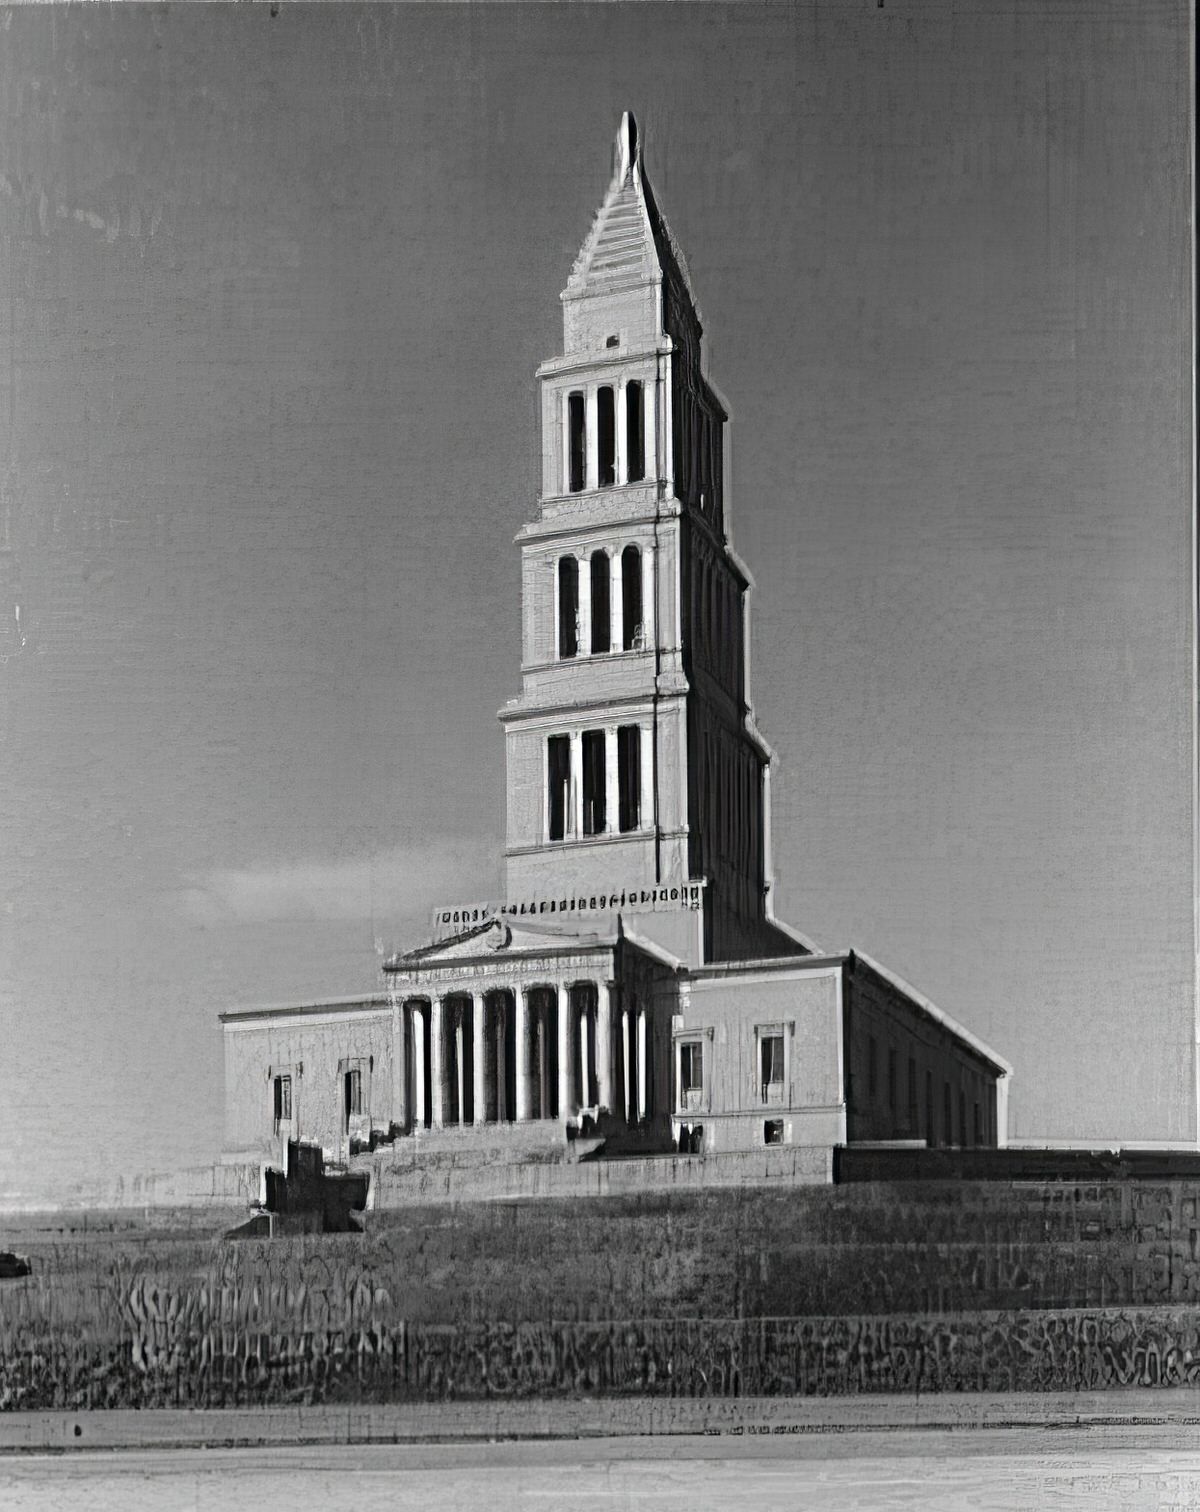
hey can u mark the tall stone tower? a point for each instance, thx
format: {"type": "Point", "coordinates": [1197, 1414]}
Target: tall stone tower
{"type": "Point", "coordinates": [633, 758]}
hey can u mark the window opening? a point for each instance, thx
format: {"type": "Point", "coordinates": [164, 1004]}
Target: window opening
{"type": "Point", "coordinates": [601, 619]}
{"type": "Point", "coordinates": [606, 426]}
{"type": "Point", "coordinates": [635, 436]}
{"type": "Point", "coordinates": [568, 607]}
{"type": "Point", "coordinates": [576, 442]}
{"type": "Point", "coordinates": [631, 599]}
{"type": "Point", "coordinates": [629, 777]}
{"type": "Point", "coordinates": [558, 776]}
{"type": "Point", "coordinates": [593, 782]}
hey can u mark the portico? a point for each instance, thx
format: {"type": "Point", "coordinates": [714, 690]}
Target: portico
{"type": "Point", "coordinates": [508, 1035]}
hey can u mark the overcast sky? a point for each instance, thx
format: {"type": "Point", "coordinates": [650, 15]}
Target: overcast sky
{"type": "Point", "coordinates": [272, 293]}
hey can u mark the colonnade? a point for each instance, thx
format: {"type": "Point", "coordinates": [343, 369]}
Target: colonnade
{"type": "Point", "coordinates": [547, 1050]}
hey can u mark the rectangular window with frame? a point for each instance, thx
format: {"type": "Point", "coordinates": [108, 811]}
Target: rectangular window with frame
{"type": "Point", "coordinates": [770, 1065]}
{"type": "Point", "coordinates": [352, 1094]}
{"type": "Point", "coordinates": [558, 784]}
{"type": "Point", "coordinates": [629, 777]}
{"type": "Point", "coordinates": [576, 443]}
{"type": "Point", "coordinates": [283, 1100]}
{"type": "Point", "coordinates": [691, 1074]}
{"type": "Point", "coordinates": [891, 1078]}
{"type": "Point", "coordinates": [594, 785]}
{"type": "Point", "coordinates": [872, 1079]}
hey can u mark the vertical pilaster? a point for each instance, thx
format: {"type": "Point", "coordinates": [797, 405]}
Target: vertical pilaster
{"type": "Point", "coordinates": [576, 825]}
{"type": "Point", "coordinates": [646, 815]}
{"type": "Point", "coordinates": [604, 1045]}
{"type": "Point", "coordinates": [612, 792]}
{"type": "Point", "coordinates": [593, 437]}
{"type": "Point", "coordinates": [649, 594]}
{"type": "Point", "coordinates": [437, 1061]}
{"type": "Point", "coordinates": [478, 1058]}
{"type": "Point", "coordinates": [565, 446]}
{"type": "Point", "coordinates": [521, 1048]}
{"type": "Point", "coordinates": [622, 434]}
{"type": "Point", "coordinates": [585, 606]}
{"type": "Point", "coordinates": [564, 1051]}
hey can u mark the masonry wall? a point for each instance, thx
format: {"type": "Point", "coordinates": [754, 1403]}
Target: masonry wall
{"type": "Point", "coordinates": [909, 1050]}
{"type": "Point", "coordinates": [727, 1015]}
{"type": "Point", "coordinates": [311, 1050]}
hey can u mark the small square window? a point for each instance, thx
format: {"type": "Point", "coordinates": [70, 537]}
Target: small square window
{"type": "Point", "coordinates": [613, 341]}
{"type": "Point", "coordinates": [773, 1131]}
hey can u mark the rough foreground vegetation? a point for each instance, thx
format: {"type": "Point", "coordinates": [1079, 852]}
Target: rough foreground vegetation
{"type": "Point", "coordinates": [935, 1287]}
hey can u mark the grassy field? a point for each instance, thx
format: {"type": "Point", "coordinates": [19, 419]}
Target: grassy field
{"type": "Point", "coordinates": [949, 1285]}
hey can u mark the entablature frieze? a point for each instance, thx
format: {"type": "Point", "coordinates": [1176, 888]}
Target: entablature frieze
{"type": "Point", "coordinates": [492, 976]}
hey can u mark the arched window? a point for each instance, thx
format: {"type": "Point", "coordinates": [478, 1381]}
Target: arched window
{"type": "Point", "coordinates": [635, 432]}
{"type": "Point", "coordinates": [576, 442]}
{"type": "Point", "coordinates": [631, 596]}
{"type": "Point", "coordinates": [606, 428]}
{"type": "Point", "coordinates": [601, 618]}
{"type": "Point", "coordinates": [568, 606]}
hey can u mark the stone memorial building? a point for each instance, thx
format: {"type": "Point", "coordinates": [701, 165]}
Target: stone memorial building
{"type": "Point", "coordinates": [633, 988]}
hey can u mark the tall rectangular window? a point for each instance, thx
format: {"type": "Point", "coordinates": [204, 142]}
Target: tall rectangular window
{"type": "Point", "coordinates": [283, 1100]}
{"type": "Point", "coordinates": [930, 1131]}
{"type": "Point", "coordinates": [891, 1078]}
{"type": "Point", "coordinates": [872, 1080]}
{"type": "Point", "coordinates": [606, 425]}
{"type": "Point", "coordinates": [978, 1124]}
{"type": "Point", "coordinates": [635, 432]}
{"type": "Point", "coordinates": [691, 1074]}
{"type": "Point", "coordinates": [770, 1056]}
{"type": "Point", "coordinates": [912, 1096]}
{"type": "Point", "coordinates": [568, 606]}
{"type": "Point", "coordinates": [594, 785]}
{"type": "Point", "coordinates": [576, 442]}
{"type": "Point", "coordinates": [353, 1094]}
{"type": "Point", "coordinates": [962, 1118]}
{"type": "Point", "coordinates": [601, 579]}
{"type": "Point", "coordinates": [629, 777]}
{"type": "Point", "coordinates": [947, 1120]}
{"type": "Point", "coordinates": [558, 783]}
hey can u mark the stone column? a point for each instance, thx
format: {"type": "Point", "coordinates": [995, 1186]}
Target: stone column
{"type": "Point", "coordinates": [420, 1091]}
{"type": "Point", "coordinates": [585, 1099]}
{"type": "Point", "coordinates": [646, 818]}
{"type": "Point", "coordinates": [616, 600]}
{"type": "Point", "coordinates": [592, 436]}
{"type": "Point", "coordinates": [604, 1045]}
{"type": "Point", "coordinates": [478, 1058]}
{"type": "Point", "coordinates": [649, 600]}
{"type": "Point", "coordinates": [565, 434]}
{"type": "Point", "coordinates": [564, 1051]}
{"type": "Point", "coordinates": [628, 1084]}
{"type": "Point", "coordinates": [622, 433]}
{"type": "Point", "coordinates": [585, 606]}
{"type": "Point", "coordinates": [612, 791]}
{"type": "Point", "coordinates": [522, 1053]}
{"type": "Point", "coordinates": [459, 1062]}
{"type": "Point", "coordinates": [641, 1066]}
{"type": "Point", "coordinates": [398, 1100]}
{"type": "Point", "coordinates": [575, 827]}
{"type": "Point", "coordinates": [502, 1062]}
{"type": "Point", "coordinates": [664, 465]}
{"type": "Point", "coordinates": [437, 1072]}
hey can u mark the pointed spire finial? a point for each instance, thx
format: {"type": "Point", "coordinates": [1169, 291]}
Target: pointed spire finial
{"type": "Point", "coordinates": [625, 148]}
